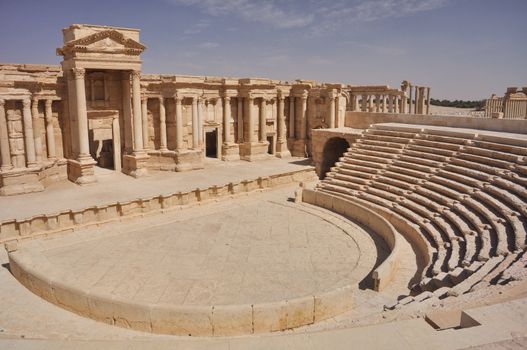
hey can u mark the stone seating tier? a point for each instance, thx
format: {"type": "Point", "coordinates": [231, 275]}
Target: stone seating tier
{"type": "Point", "coordinates": [462, 193]}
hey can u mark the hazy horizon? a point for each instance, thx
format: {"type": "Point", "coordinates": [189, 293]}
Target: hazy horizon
{"type": "Point", "coordinates": [463, 49]}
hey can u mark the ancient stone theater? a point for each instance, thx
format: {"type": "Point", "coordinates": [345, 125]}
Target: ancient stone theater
{"type": "Point", "coordinates": [193, 211]}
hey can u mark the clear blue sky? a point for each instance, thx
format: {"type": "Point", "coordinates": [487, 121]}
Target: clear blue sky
{"type": "Point", "coordinates": [465, 49]}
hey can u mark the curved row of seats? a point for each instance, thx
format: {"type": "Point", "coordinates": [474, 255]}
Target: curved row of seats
{"type": "Point", "coordinates": [460, 195]}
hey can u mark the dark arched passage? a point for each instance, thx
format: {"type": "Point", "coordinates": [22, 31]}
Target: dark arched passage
{"type": "Point", "coordinates": [333, 150]}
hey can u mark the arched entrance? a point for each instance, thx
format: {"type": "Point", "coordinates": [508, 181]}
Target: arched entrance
{"type": "Point", "coordinates": [333, 150]}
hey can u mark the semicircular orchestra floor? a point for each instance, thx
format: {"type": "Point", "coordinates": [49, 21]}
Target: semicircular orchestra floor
{"type": "Point", "coordinates": [239, 252]}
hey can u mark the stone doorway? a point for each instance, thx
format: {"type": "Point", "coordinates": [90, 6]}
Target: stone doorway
{"type": "Point", "coordinates": [211, 143]}
{"type": "Point", "coordinates": [104, 139]}
{"type": "Point", "coordinates": [333, 150]}
{"type": "Point", "coordinates": [271, 146]}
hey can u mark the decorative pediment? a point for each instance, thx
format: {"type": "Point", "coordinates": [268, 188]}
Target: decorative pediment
{"type": "Point", "coordinates": [107, 41]}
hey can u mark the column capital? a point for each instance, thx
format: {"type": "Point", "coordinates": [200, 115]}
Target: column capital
{"type": "Point", "coordinates": [49, 102]}
{"type": "Point", "coordinates": [35, 99]}
{"type": "Point", "coordinates": [26, 102]}
{"type": "Point", "coordinates": [78, 73]}
{"type": "Point", "coordinates": [2, 102]}
{"type": "Point", "coordinates": [178, 98]}
{"type": "Point", "coordinates": [161, 99]}
{"type": "Point", "coordinates": [227, 98]}
{"type": "Point", "coordinates": [144, 98]}
{"type": "Point", "coordinates": [135, 74]}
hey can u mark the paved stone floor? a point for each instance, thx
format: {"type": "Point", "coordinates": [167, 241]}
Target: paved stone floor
{"type": "Point", "coordinates": [28, 322]}
{"type": "Point", "coordinates": [243, 251]}
{"type": "Point", "coordinates": [113, 186]}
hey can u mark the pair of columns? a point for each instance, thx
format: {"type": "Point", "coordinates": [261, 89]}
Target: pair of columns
{"type": "Point", "coordinates": [298, 114]}
{"type": "Point", "coordinates": [32, 138]}
{"type": "Point", "coordinates": [135, 110]}
{"type": "Point", "coordinates": [197, 121]}
{"type": "Point", "coordinates": [333, 110]}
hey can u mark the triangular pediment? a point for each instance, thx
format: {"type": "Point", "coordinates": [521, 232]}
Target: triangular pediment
{"type": "Point", "coordinates": [107, 41]}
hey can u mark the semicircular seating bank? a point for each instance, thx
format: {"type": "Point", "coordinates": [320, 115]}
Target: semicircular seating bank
{"type": "Point", "coordinates": [458, 195]}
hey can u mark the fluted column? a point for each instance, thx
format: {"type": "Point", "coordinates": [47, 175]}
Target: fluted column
{"type": "Point", "coordinates": [331, 110]}
{"type": "Point", "coordinates": [5, 153]}
{"type": "Point", "coordinates": [227, 137]}
{"type": "Point", "coordinates": [29, 141]}
{"type": "Point", "coordinates": [396, 104]}
{"type": "Point", "coordinates": [162, 125]}
{"type": "Point", "coordinates": [179, 123]}
{"type": "Point", "coordinates": [37, 134]}
{"type": "Point", "coordinates": [250, 112]}
{"type": "Point", "coordinates": [195, 128]}
{"type": "Point", "coordinates": [136, 103]}
{"type": "Point", "coordinates": [261, 129]}
{"type": "Point", "coordinates": [364, 103]}
{"type": "Point", "coordinates": [410, 98]}
{"type": "Point", "coordinates": [50, 130]}
{"type": "Point", "coordinates": [144, 115]}
{"type": "Point", "coordinates": [384, 107]}
{"type": "Point", "coordinates": [292, 116]}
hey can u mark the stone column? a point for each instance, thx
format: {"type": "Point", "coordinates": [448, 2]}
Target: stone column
{"type": "Point", "coordinates": [5, 153]}
{"type": "Point", "coordinates": [281, 142]}
{"type": "Point", "coordinates": [396, 104]}
{"type": "Point", "coordinates": [421, 109]}
{"type": "Point", "coordinates": [50, 130]}
{"type": "Point", "coordinates": [28, 133]}
{"type": "Point", "coordinates": [179, 123]}
{"type": "Point", "coordinates": [36, 131]}
{"type": "Point", "coordinates": [384, 107]}
{"type": "Point", "coordinates": [303, 115]}
{"type": "Point", "coordinates": [136, 102]}
{"type": "Point", "coordinates": [262, 127]}
{"type": "Point", "coordinates": [200, 121]}
{"type": "Point", "coordinates": [162, 125]}
{"type": "Point", "coordinates": [331, 123]}
{"type": "Point", "coordinates": [80, 170]}
{"type": "Point", "coordinates": [240, 119]}
{"type": "Point", "coordinates": [428, 100]}
{"type": "Point", "coordinates": [250, 113]}
{"type": "Point", "coordinates": [417, 97]}
{"type": "Point", "coordinates": [339, 122]}
{"type": "Point", "coordinates": [144, 115]}
{"type": "Point", "coordinates": [403, 102]}
{"type": "Point", "coordinates": [227, 137]}
{"type": "Point", "coordinates": [195, 128]}
{"type": "Point", "coordinates": [364, 103]}
{"type": "Point", "coordinates": [390, 104]}
{"type": "Point", "coordinates": [410, 98]}
{"type": "Point", "coordinates": [292, 116]}
{"type": "Point", "coordinates": [377, 103]}
{"type": "Point", "coordinates": [127, 112]}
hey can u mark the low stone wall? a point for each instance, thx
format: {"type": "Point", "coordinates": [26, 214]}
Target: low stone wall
{"type": "Point", "coordinates": [36, 273]}
{"type": "Point", "coordinates": [362, 120]}
{"type": "Point", "coordinates": [384, 273]}
{"type": "Point", "coordinates": [20, 181]}
{"type": "Point", "coordinates": [45, 224]}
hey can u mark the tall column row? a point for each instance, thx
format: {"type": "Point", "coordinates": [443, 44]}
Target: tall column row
{"type": "Point", "coordinates": [33, 143]}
